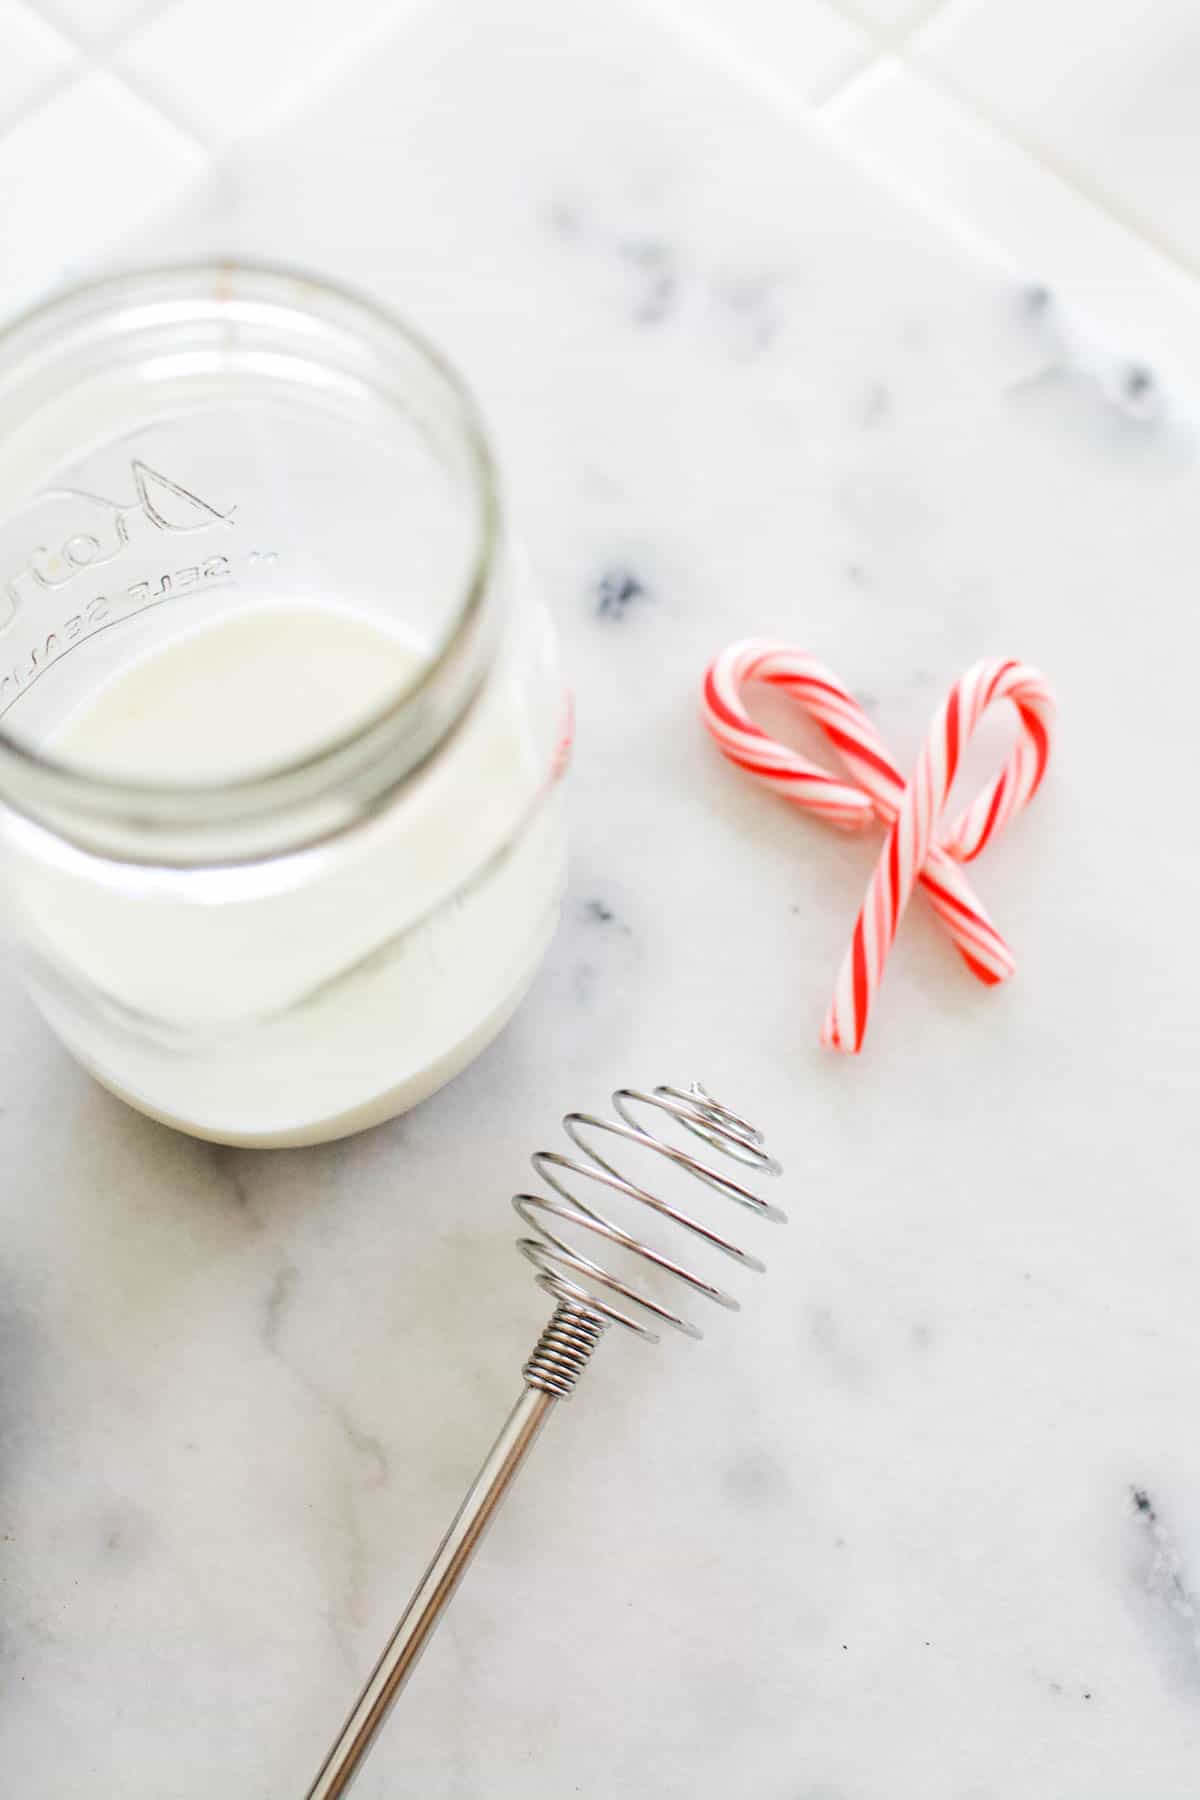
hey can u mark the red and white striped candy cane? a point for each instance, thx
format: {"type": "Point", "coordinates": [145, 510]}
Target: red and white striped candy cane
{"type": "Point", "coordinates": [915, 850]}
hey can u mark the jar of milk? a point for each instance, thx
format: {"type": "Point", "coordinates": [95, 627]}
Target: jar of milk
{"type": "Point", "coordinates": [281, 722]}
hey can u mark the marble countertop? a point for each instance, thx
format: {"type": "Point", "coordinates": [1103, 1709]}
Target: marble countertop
{"type": "Point", "coordinates": [922, 1521]}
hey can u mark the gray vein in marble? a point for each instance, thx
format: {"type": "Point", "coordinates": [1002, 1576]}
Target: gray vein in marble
{"type": "Point", "coordinates": [601, 913]}
{"type": "Point", "coordinates": [228, 1164]}
{"type": "Point", "coordinates": [1169, 1583]}
{"type": "Point", "coordinates": [751, 313]}
{"type": "Point", "coordinates": [617, 590]}
{"type": "Point", "coordinates": [603, 944]}
{"type": "Point", "coordinates": [744, 312]}
{"type": "Point", "coordinates": [1074, 356]}
{"type": "Point", "coordinates": [278, 1300]}
{"type": "Point", "coordinates": [366, 1450]}
{"type": "Point", "coordinates": [657, 279]}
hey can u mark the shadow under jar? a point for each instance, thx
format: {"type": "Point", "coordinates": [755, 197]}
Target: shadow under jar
{"type": "Point", "coordinates": [281, 720]}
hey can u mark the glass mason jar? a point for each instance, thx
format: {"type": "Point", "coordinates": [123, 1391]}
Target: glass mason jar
{"type": "Point", "coordinates": [281, 721]}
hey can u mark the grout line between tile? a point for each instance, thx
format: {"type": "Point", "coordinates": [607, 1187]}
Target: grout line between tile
{"type": "Point", "coordinates": [1126, 218]}
{"type": "Point", "coordinates": [937, 9]}
{"type": "Point", "coordinates": [918, 20]}
{"type": "Point", "coordinates": [898, 41]}
{"type": "Point", "coordinates": [845, 78]}
{"type": "Point", "coordinates": [196, 143]}
{"type": "Point", "coordinates": [96, 58]}
{"type": "Point", "coordinates": [96, 49]}
{"type": "Point", "coordinates": [889, 38]}
{"type": "Point", "coordinates": [895, 40]}
{"type": "Point", "coordinates": [839, 90]}
{"type": "Point", "coordinates": [711, 41]}
{"type": "Point", "coordinates": [43, 94]}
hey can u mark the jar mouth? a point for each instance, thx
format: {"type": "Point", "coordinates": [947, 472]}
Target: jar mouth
{"type": "Point", "coordinates": [148, 313]}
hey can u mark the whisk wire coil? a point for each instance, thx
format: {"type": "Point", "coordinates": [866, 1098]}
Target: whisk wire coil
{"type": "Point", "coordinates": [580, 1283]}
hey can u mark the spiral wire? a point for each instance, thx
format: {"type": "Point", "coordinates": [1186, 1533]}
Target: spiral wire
{"type": "Point", "coordinates": [590, 1296]}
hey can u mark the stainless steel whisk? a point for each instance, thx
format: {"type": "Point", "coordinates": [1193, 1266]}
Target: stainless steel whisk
{"type": "Point", "coordinates": [587, 1297]}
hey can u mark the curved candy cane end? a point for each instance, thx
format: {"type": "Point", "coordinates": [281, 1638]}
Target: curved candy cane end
{"type": "Point", "coordinates": [986, 972]}
{"type": "Point", "coordinates": [875, 790]}
{"type": "Point", "coordinates": [832, 1039]}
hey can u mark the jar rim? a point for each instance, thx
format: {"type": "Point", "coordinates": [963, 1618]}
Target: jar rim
{"type": "Point", "coordinates": [123, 817]}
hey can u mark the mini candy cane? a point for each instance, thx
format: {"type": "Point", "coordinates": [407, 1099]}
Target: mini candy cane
{"type": "Point", "coordinates": [915, 850]}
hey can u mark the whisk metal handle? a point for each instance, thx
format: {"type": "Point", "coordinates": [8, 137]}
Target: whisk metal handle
{"type": "Point", "coordinates": [589, 1299]}
{"type": "Point", "coordinates": [433, 1595]}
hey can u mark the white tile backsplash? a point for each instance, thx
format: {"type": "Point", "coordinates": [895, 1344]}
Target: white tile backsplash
{"type": "Point", "coordinates": [76, 176]}
{"type": "Point", "coordinates": [32, 56]}
{"type": "Point", "coordinates": [1060, 133]}
{"type": "Point", "coordinates": [101, 21]}
{"type": "Point", "coordinates": [224, 65]}
{"type": "Point", "coordinates": [1004, 199]}
{"type": "Point", "coordinates": [888, 15]}
{"type": "Point", "coordinates": [1110, 92]}
{"type": "Point", "coordinates": [802, 47]}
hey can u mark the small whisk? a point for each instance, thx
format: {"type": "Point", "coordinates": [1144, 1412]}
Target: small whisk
{"type": "Point", "coordinates": [589, 1298]}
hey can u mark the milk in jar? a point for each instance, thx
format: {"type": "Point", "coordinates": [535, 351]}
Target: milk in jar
{"type": "Point", "coordinates": [281, 718]}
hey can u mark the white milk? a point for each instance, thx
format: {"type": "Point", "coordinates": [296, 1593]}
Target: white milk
{"type": "Point", "coordinates": [258, 689]}
{"type": "Point", "coordinates": [314, 993]}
